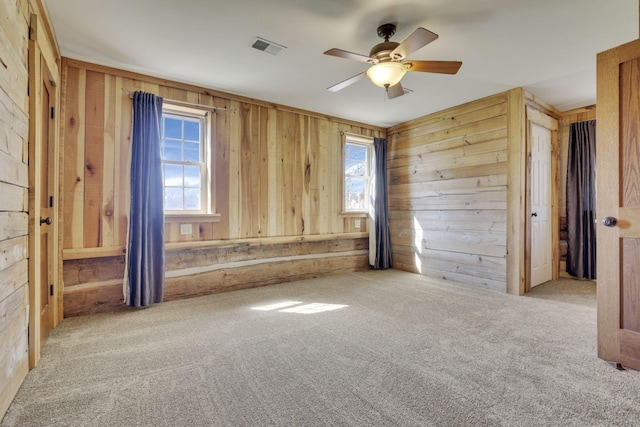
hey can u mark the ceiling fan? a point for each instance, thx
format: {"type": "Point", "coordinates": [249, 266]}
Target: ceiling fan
{"type": "Point", "coordinates": [388, 60]}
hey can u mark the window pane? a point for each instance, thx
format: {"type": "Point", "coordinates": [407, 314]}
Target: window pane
{"type": "Point", "coordinates": [172, 198]}
{"type": "Point", "coordinates": [355, 191]}
{"type": "Point", "coordinates": [192, 198]}
{"type": "Point", "coordinates": [172, 150]}
{"type": "Point", "coordinates": [191, 130]}
{"type": "Point", "coordinates": [191, 152]}
{"type": "Point", "coordinates": [355, 185]}
{"type": "Point", "coordinates": [192, 176]}
{"type": "Point", "coordinates": [355, 160]}
{"type": "Point", "coordinates": [173, 176]}
{"type": "Point", "coordinates": [172, 128]}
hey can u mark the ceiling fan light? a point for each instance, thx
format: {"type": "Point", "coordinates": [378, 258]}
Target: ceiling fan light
{"type": "Point", "coordinates": [386, 74]}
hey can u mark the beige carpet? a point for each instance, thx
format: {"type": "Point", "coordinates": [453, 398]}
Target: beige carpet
{"type": "Point", "coordinates": [390, 349]}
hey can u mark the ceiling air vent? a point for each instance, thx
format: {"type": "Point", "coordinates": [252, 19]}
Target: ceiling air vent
{"type": "Point", "coordinates": [267, 46]}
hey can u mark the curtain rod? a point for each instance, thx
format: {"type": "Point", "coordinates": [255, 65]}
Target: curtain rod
{"type": "Point", "coordinates": [188, 104]}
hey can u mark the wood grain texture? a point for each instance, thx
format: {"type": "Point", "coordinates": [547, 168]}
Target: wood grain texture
{"type": "Point", "coordinates": [629, 289]}
{"type": "Point", "coordinates": [16, 129]}
{"type": "Point", "coordinates": [276, 171]}
{"type": "Point", "coordinates": [448, 193]}
{"type": "Point", "coordinates": [630, 146]}
{"type": "Point", "coordinates": [94, 285]}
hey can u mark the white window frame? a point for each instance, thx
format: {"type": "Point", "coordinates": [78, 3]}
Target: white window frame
{"type": "Point", "coordinates": [206, 173]}
{"type": "Point", "coordinates": [362, 141]}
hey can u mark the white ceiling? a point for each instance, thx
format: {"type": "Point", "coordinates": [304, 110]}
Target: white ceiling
{"type": "Point", "coordinates": [546, 46]}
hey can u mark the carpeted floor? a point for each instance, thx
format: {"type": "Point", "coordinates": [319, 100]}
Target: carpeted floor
{"type": "Point", "coordinates": [389, 349]}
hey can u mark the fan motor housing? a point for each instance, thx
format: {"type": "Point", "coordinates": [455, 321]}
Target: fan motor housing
{"type": "Point", "coordinates": [382, 51]}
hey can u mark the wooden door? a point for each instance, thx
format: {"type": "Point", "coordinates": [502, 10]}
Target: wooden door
{"type": "Point", "coordinates": [541, 249]}
{"type": "Point", "coordinates": [43, 95]}
{"type": "Point", "coordinates": [618, 204]}
{"type": "Point", "coordinates": [542, 230]}
{"type": "Point", "coordinates": [45, 193]}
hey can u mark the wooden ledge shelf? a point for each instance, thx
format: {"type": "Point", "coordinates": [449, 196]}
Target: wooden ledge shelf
{"type": "Point", "coordinates": [84, 253]}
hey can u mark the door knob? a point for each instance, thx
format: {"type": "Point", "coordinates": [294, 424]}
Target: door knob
{"type": "Point", "coordinates": [609, 221]}
{"type": "Point", "coordinates": [534, 213]}
{"type": "Point", "coordinates": [46, 220]}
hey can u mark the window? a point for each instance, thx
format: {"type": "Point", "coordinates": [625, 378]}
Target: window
{"type": "Point", "coordinates": [357, 173]}
{"type": "Point", "coordinates": [184, 152]}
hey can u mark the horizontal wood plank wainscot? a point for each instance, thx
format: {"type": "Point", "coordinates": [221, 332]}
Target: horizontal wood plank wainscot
{"type": "Point", "coordinates": [275, 174]}
{"type": "Point", "coordinates": [27, 46]}
{"type": "Point", "coordinates": [448, 193]}
{"type": "Point", "coordinates": [94, 285]}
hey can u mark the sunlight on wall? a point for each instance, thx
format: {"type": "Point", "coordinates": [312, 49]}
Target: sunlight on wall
{"type": "Point", "coordinates": [417, 244]}
{"type": "Point", "coordinates": [316, 307]}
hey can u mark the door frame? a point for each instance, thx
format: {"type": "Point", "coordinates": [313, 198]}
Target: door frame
{"type": "Point", "coordinates": [539, 118]}
{"type": "Point", "coordinates": [42, 64]}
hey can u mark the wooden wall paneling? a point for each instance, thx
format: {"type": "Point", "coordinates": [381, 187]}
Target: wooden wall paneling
{"type": "Point", "coordinates": [275, 169]}
{"type": "Point", "coordinates": [74, 146]}
{"type": "Point", "coordinates": [335, 179]}
{"type": "Point", "coordinates": [249, 175]}
{"type": "Point", "coordinates": [95, 284]}
{"type": "Point", "coordinates": [14, 220]}
{"type": "Point", "coordinates": [516, 191]}
{"type": "Point", "coordinates": [312, 174]}
{"type": "Point", "coordinates": [273, 191]}
{"type": "Point", "coordinates": [94, 158]}
{"type": "Point", "coordinates": [35, 242]}
{"type": "Point", "coordinates": [222, 165]}
{"type": "Point", "coordinates": [123, 156]}
{"type": "Point", "coordinates": [448, 193]}
{"type": "Point", "coordinates": [108, 162]}
{"type": "Point", "coordinates": [306, 154]}
{"type": "Point", "coordinates": [263, 161]}
{"type": "Point", "coordinates": [14, 363]}
{"type": "Point", "coordinates": [235, 129]}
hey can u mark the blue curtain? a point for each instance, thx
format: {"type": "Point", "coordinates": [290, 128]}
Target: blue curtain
{"type": "Point", "coordinates": [379, 236]}
{"type": "Point", "coordinates": [144, 274]}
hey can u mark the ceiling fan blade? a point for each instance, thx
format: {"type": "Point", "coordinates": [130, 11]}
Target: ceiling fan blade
{"type": "Point", "coordinates": [348, 82]}
{"type": "Point", "coordinates": [418, 39]}
{"type": "Point", "coordinates": [349, 55]}
{"type": "Point", "coordinates": [442, 67]}
{"type": "Point", "coordinates": [395, 91]}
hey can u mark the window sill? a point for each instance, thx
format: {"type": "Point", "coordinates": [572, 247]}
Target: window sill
{"type": "Point", "coordinates": [192, 217]}
{"type": "Point", "coordinates": [355, 214]}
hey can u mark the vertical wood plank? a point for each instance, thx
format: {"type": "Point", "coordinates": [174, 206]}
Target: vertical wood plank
{"type": "Point", "coordinates": [234, 170]}
{"type": "Point", "coordinates": [94, 158]}
{"type": "Point", "coordinates": [516, 153]}
{"type": "Point", "coordinates": [264, 173]}
{"type": "Point", "coordinates": [221, 168]}
{"type": "Point", "coordinates": [255, 175]}
{"type": "Point", "coordinates": [272, 173]}
{"type": "Point", "coordinates": [74, 147]}
{"type": "Point", "coordinates": [123, 156]}
{"type": "Point", "coordinates": [108, 161]}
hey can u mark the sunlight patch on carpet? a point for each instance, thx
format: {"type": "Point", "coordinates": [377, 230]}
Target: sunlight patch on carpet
{"type": "Point", "coordinates": [288, 307]}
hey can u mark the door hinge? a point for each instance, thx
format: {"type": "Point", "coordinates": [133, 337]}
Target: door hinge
{"type": "Point", "coordinates": [53, 112]}
{"type": "Point", "coordinates": [50, 201]}
{"type": "Point", "coordinates": [51, 289]}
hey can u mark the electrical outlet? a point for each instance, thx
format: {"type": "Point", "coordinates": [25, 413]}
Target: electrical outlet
{"type": "Point", "coordinates": [356, 223]}
{"type": "Point", "coordinates": [185, 229]}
